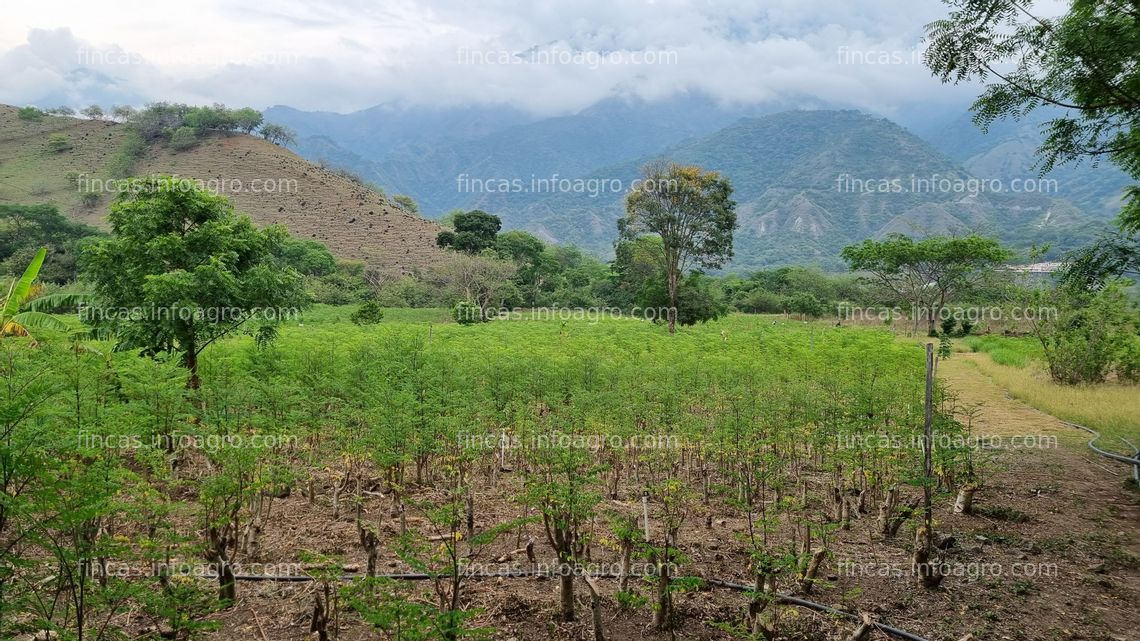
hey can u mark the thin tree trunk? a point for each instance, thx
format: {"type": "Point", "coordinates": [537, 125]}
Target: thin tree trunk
{"type": "Point", "coordinates": [595, 609]}
{"type": "Point", "coordinates": [566, 591]}
{"type": "Point", "coordinates": [190, 360]}
{"type": "Point", "coordinates": [671, 313]}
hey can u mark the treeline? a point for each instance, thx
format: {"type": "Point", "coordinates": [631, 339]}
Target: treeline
{"type": "Point", "coordinates": [495, 269]}
{"type": "Point", "coordinates": [180, 125]}
{"type": "Point", "coordinates": [1089, 334]}
{"type": "Point", "coordinates": [183, 126]}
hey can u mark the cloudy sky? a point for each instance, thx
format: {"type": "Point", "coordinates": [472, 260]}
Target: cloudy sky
{"type": "Point", "coordinates": [549, 56]}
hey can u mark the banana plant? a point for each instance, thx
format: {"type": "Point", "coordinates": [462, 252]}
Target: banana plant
{"type": "Point", "coordinates": [15, 320]}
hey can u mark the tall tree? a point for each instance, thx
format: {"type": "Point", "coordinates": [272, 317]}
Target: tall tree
{"type": "Point", "coordinates": [691, 211]}
{"type": "Point", "coordinates": [929, 273]}
{"type": "Point", "coordinates": [1086, 63]}
{"type": "Point", "coordinates": [475, 231]}
{"type": "Point", "coordinates": [247, 119]}
{"type": "Point", "coordinates": [182, 270]}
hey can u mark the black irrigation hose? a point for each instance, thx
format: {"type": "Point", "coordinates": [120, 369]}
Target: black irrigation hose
{"type": "Point", "coordinates": [1134, 462]}
{"type": "Point", "coordinates": [513, 574]}
{"type": "Point", "coordinates": [819, 607]}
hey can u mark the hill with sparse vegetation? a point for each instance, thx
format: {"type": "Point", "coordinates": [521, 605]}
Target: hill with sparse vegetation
{"type": "Point", "coordinates": [70, 162]}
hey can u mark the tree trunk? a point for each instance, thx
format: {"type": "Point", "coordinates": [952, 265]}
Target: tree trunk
{"type": "Point", "coordinates": [190, 360]}
{"type": "Point", "coordinates": [863, 631]}
{"type": "Point", "coordinates": [566, 591]}
{"type": "Point", "coordinates": [320, 619]}
{"type": "Point", "coordinates": [671, 313]}
{"type": "Point", "coordinates": [965, 501]}
{"type": "Point", "coordinates": [928, 573]}
{"type": "Point", "coordinates": [227, 584]}
{"type": "Point", "coordinates": [762, 607]}
{"type": "Point", "coordinates": [663, 613]}
{"type": "Point", "coordinates": [595, 609]}
{"type": "Point", "coordinates": [626, 557]}
{"type": "Point", "coordinates": [812, 570]}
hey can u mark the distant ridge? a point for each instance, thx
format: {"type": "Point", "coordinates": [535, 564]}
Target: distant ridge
{"type": "Point", "coordinates": [787, 169]}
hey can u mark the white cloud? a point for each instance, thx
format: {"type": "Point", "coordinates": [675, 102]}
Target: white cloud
{"type": "Point", "coordinates": [350, 54]}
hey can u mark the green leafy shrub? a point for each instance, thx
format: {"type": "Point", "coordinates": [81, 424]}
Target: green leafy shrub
{"type": "Point", "coordinates": [406, 203]}
{"type": "Point", "coordinates": [807, 305]}
{"type": "Point", "coordinates": [183, 604]}
{"type": "Point", "coordinates": [183, 138]}
{"type": "Point", "coordinates": [762, 301]}
{"type": "Point", "coordinates": [945, 346]}
{"type": "Point", "coordinates": [368, 313]}
{"type": "Point", "coordinates": [122, 164]}
{"type": "Point", "coordinates": [1128, 366]}
{"type": "Point", "coordinates": [58, 143]}
{"type": "Point", "coordinates": [630, 600]}
{"type": "Point", "coordinates": [467, 313]}
{"type": "Point", "coordinates": [947, 325]}
{"type": "Point", "coordinates": [30, 114]}
{"type": "Point", "coordinates": [1090, 337]}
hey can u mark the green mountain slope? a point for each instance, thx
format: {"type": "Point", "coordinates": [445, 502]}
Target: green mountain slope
{"type": "Point", "coordinates": [1009, 151]}
{"type": "Point", "coordinates": [810, 182]}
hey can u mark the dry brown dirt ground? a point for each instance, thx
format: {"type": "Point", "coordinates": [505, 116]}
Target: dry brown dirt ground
{"type": "Point", "coordinates": [1051, 554]}
{"type": "Point", "coordinates": [266, 181]}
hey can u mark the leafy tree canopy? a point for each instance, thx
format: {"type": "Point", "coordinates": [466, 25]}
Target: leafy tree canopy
{"type": "Point", "coordinates": [475, 231]}
{"type": "Point", "coordinates": [690, 210]}
{"type": "Point", "coordinates": [182, 269]}
{"type": "Point", "coordinates": [927, 273]}
{"type": "Point", "coordinates": [1086, 63]}
{"type": "Point", "coordinates": [24, 229]}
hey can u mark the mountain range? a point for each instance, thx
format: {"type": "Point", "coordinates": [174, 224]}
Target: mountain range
{"type": "Point", "coordinates": [807, 181]}
{"type": "Point", "coordinates": [804, 179]}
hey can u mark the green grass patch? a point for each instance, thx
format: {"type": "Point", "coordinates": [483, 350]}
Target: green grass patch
{"type": "Point", "coordinates": [334, 314]}
{"type": "Point", "coordinates": [1011, 351]}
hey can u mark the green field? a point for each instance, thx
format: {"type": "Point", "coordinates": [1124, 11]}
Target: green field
{"type": "Point", "coordinates": [1005, 350]}
{"type": "Point", "coordinates": [777, 427]}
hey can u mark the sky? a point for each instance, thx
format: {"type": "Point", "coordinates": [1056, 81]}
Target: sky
{"type": "Point", "coordinates": [549, 57]}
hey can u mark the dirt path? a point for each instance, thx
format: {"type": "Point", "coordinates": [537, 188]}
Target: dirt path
{"type": "Point", "coordinates": [1054, 502]}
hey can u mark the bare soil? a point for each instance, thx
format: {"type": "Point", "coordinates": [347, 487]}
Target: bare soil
{"type": "Point", "coordinates": [1051, 554]}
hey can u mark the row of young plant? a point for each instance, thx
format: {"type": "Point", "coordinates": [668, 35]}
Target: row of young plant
{"type": "Point", "coordinates": [110, 462]}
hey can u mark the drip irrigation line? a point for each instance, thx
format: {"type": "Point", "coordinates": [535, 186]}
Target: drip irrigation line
{"type": "Point", "coordinates": [1134, 461]}
{"type": "Point", "coordinates": [521, 573]}
{"type": "Point", "coordinates": [819, 607]}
